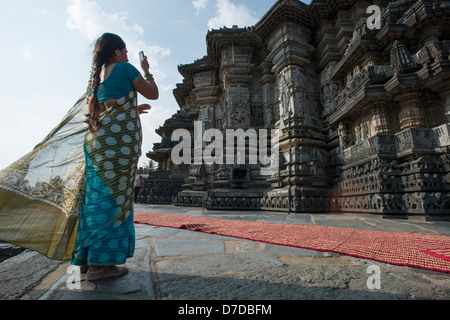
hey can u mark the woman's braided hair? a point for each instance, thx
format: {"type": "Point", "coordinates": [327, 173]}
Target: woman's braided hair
{"type": "Point", "coordinates": [105, 47]}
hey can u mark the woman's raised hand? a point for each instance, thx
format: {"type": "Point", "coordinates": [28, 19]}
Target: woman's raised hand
{"type": "Point", "coordinates": [143, 108]}
{"type": "Point", "coordinates": [145, 65]}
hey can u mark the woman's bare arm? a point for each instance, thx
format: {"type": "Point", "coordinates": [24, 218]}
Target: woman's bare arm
{"type": "Point", "coordinates": [148, 89]}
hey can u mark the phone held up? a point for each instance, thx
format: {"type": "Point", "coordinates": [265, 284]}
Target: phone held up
{"type": "Point", "coordinates": [141, 56]}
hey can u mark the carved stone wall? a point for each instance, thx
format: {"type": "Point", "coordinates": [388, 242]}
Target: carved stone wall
{"type": "Point", "coordinates": [390, 116]}
{"type": "Point", "coordinates": [362, 114]}
{"type": "Point", "coordinates": [161, 188]}
{"type": "Point", "coordinates": [164, 185]}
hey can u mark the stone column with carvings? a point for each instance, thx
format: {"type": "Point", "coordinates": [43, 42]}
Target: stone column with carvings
{"type": "Point", "coordinates": [267, 82]}
{"type": "Point", "coordinates": [328, 89]}
{"type": "Point", "coordinates": [205, 92]}
{"type": "Point", "coordinates": [236, 74]}
{"type": "Point", "coordinates": [380, 122]}
{"type": "Point", "coordinates": [233, 183]}
{"type": "Point", "coordinates": [411, 112]}
{"type": "Point", "coordinates": [204, 97]}
{"type": "Point", "coordinates": [301, 183]}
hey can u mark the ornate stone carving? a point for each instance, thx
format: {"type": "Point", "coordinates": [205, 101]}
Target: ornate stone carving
{"type": "Point", "coordinates": [344, 135]}
{"type": "Point", "coordinates": [239, 106]}
{"type": "Point", "coordinates": [362, 114]}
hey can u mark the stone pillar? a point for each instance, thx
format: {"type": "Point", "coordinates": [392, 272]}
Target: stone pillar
{"type": "Point", "coordinates": [380, 123]}
{"type": "Point", "coordinates": [236, 74]}
{"type": "Point", "coordinates": [267, 82]}
{"type": "Point", "coordinates": [204, 97]}
{"type": "Point", "coordinates": [294, 94]}
{"type": "Point", "coordinates": [300, 184]}
{"type": "Point", "coordinates": [205, 93]}
{"type": "Point", "coordinates": [234, 184]}
{"type": "Point", "coordinates": [411, 112]}
{"type": "Point", "coordinates": [328, 89]}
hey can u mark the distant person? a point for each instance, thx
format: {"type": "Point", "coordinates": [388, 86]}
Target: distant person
{"type": "Point", "coordinates": [138, 186]}
{"type": "Point", "coordinates": [105, 236]}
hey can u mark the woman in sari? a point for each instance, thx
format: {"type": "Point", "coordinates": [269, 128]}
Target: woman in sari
{"type": "Point", "coordinates": [105, 232]}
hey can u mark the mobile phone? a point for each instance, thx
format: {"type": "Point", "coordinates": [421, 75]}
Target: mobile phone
{"type": "Point", "coordinates": [141, 55]}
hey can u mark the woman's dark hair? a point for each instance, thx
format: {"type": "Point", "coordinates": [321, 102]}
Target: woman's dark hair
{"type": "Point", "coordinates": [105, 47]}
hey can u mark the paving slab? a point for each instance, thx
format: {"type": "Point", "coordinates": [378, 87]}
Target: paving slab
{"type": "Point", "coordinates": [214, 264]}
{"type": "Point", "coordinates": [23, 272]}
{"type": "Point", "coordinates": [272, 219]}
{"type": "Point", "coordinates": [303, 219]}
{"type": "Point", "coordinates": [187, 247]}
{"type": "Point", "coordinates": [186, 234]}
{"type": "Point", "coordinates": [291, 251]}
{"type": "Point", "coordinates": [247, 246]}
{"type": "Point", "coordinates": [145, 231]}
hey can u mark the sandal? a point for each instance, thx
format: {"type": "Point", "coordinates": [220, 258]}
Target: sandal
{"type": "Point", "coordinates": [106, 273]}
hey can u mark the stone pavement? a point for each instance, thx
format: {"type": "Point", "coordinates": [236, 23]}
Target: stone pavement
{"type": "Point", "coordinates": [172, 264]}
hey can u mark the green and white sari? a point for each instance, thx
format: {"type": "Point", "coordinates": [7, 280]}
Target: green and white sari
{"type": "Point", "coordinates": [72, 196]}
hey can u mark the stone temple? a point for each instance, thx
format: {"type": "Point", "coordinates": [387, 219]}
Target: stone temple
{"type": "Point", "coordinates": [360, 100]}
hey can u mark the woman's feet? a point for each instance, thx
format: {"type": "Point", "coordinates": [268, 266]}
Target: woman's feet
{"type": "Point", "coordinates": [84, 269]}
{"type": "Point", "coordinates": [98, 273]}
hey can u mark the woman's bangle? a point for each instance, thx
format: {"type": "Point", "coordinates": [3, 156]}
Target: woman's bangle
{"type": "Point", "coordinates": [148, 76]}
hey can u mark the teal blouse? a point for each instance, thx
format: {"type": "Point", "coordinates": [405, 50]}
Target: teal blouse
{"type": "Point", "coordinates": [119, 83]}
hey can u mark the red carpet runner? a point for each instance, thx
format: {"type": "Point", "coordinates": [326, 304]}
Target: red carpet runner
{"type": "Point", "coordinates": [423, 251]}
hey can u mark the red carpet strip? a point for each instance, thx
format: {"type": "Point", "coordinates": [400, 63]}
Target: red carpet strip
{"type": "Point", "coordinates": [424, 251]}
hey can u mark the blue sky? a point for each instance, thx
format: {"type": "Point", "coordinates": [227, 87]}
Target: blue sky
{"type": "Point", "coordinates": [46, 54]}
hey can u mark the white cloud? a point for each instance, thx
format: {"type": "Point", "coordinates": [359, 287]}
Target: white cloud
{"type": "Point", "coordinates": [87, 17]}
{"type": "Point", "coordinates": [138, 29]}
{"type": "Point", "coordinates": [199, 5]}
{"type": "Point", "coordinates": [229, 14]}
{"type": "Point", "coordinates": [92, 21]}
{"type": "Point", "coordinates": [26, 52]}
